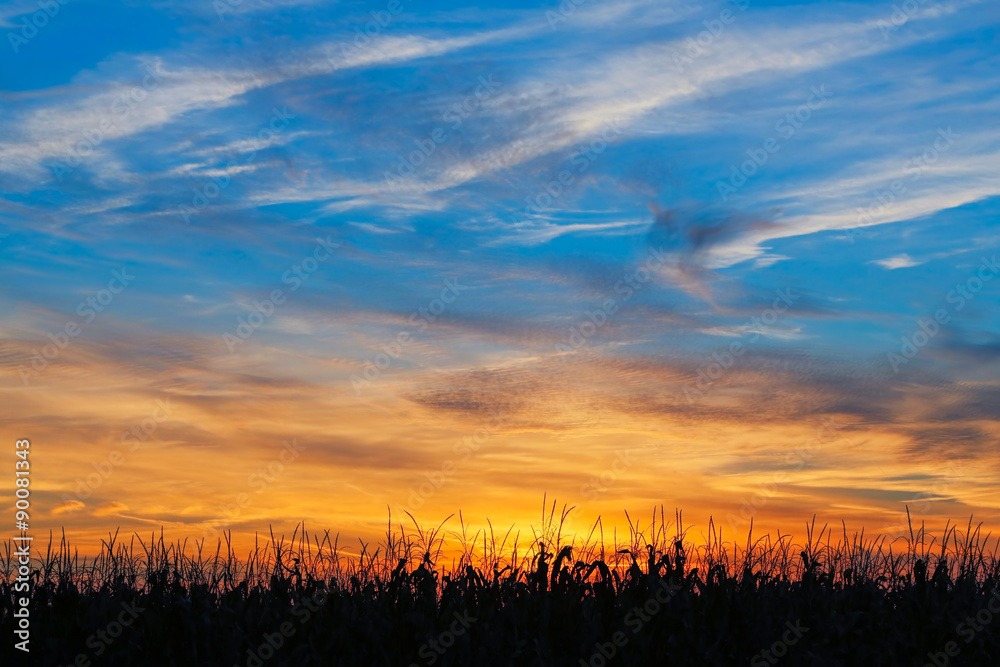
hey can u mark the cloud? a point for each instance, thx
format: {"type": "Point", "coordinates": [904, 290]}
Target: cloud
{"type": "Point", "coordinates": [68, 506]}
{"type": "Point", "coordinates": [111, 509]}
{"type": "Point", "coordinates": [689, 237]}
{"type": "Point", "coordinates": [536, 232]}
{"type": "Point", "coordinates": [898, 262]}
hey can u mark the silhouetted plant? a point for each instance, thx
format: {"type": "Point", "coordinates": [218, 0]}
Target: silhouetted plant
{"type": "Point", "coordinates": [560, 602]}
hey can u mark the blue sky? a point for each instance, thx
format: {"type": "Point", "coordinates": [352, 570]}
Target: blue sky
{"type": "Point", "coordinates": [650, 175]}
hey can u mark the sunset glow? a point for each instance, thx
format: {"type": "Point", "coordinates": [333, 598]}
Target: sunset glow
{"type": "Point", "coordinates": [277, 262]}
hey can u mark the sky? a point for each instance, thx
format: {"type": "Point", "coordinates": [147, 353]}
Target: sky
{"type": "Point", "coordinates": [271, 261]}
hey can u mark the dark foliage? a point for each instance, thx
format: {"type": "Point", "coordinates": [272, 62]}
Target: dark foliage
{"type": "Point", "coordinates": [656, 599]}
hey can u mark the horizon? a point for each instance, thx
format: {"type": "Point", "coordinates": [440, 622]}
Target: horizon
{"type": "Point", "coordinates": [277, 262]}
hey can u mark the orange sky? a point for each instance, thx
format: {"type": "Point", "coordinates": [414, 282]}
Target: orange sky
{"type": "Point", "coordinates": [753, 276]}
{"type": "Point", "coordinates": [252, 443]}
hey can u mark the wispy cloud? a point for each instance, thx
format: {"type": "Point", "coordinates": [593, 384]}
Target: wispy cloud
{"type": "Point", "coordinates": [898, 262]}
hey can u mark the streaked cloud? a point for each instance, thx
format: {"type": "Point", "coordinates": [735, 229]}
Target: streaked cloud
{"type": "Point", "coordinates": [898, 262]}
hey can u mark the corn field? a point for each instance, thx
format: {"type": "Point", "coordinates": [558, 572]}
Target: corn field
{"type": "Point", "coordinates": [443, 596]}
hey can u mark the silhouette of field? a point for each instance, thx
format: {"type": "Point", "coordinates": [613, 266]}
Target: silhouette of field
{"type": "Point", "coordinates": [655, 599]}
